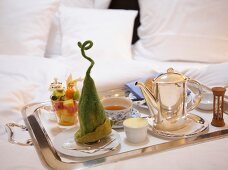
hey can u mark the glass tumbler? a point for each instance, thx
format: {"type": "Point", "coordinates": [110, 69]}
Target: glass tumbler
{"type": "Point", "coordinates": [66, 112]}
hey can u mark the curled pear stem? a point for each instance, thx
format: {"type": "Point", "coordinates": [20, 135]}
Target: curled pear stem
{"type": "Point", "coordinates": [85, 46]}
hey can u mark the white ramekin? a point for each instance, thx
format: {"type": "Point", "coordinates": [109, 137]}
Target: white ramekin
{"type": "Point", "coordinates": [136, 129]}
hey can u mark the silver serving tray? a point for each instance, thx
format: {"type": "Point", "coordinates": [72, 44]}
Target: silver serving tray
{"type": "Point", "coordinates": [53, 160]}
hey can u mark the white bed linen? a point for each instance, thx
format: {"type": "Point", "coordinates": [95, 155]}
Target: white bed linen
{"type": "Point", "coordinates": [209, 156]}
{"type": "Point", "coordinates": [55, 37]}
{"type": "Point", "coordinates": [23, 80]}
{"type": "Point", "coordinates": [113, 73]}
{"type": "Point", "coordinates": [213, 75]}
{"type": "Point", "coordinates": [24, 26]}
{"type": "Point", "coordinates": [26, 80]}
{"type": "Point", "coordinates": [187, 30]}
{"type": "Point", "coordinates": [100, 26]}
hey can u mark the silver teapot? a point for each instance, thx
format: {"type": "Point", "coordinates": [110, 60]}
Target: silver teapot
{"type": "Point", "coordinates": [167, 99]}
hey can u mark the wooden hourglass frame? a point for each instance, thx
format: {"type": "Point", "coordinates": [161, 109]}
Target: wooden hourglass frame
{"type": "Point", "coordinates": [218, 106]}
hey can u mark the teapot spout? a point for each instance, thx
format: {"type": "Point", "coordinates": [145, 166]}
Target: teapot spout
{"type": "Point", "coordinates": [149, 97]}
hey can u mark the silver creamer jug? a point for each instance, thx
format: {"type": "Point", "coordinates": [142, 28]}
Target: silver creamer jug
{"type": "Point", "coordinates": [167, 99]}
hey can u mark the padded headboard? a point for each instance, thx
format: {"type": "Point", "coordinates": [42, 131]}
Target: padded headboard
{"type": "Point", "coordinates": [128, 4]}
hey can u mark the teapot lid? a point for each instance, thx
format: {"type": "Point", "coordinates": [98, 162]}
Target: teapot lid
{"type": "Point", "coordinates": [170, 77]}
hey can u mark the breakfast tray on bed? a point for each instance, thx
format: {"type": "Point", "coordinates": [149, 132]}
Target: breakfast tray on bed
{"type": "Point", "coordinates": [43, 130]}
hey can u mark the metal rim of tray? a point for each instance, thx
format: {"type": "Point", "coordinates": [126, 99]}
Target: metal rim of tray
{"type": "Point", "coordinates": [50, 158]}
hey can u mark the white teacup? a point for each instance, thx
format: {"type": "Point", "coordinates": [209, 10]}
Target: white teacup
{"type": "Point", "coordinates": [117, 108]}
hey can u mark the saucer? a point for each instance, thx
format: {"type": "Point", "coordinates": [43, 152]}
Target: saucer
{"type": "Point", "coordinates": [137, 102]}
{"type": "Point", "coordinates": [195, 125]}
{"type": "Point", "coordinates": [67, 136]}
{"type": "Point", "coordinates": [226, 101]}
{"type": "Point", "coordinates": [119, 124]}
{"type": "Point", "coordinates": [207, 99]}
{"type": "Point", "coordinates": [206, 102]}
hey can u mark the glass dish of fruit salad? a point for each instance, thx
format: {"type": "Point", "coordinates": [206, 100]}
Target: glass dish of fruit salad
{"type": "Point", "coordinates": [65, 101]}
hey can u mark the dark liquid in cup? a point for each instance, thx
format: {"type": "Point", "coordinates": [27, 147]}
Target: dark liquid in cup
{"type": "Point", "coordinates": [115, 107]}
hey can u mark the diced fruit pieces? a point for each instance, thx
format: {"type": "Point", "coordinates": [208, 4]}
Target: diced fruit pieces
{"type": "Point", "coordinates": [65, 104]}
{"type": "Point", "coordinates": [72, 110]}
{"type": "Point", "coordinates": [58, 105]}
{"type": "Point", "coordinates": [58, 92]}
{"type": "Point", "coordinates": [68, 103]}
{"type": "Point", "coordinates": [54, 98]}
{"type": "Point", "coordinates": [65, 118]}
{"type": "Point", "coordinates": [71, 106]}
{"type": "Point", "coordinates": [76, 95]}
{"type": "Point", "coordinates": [70, 93]}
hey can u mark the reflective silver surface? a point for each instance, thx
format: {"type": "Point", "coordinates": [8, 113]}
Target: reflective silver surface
{"type": "Point", "coordinates": [10, 132]}
{"type": "Point", "coordinates": [167, 99]}
{"type": "Point", "coordinates": [193, 127]}
{"type": "Point", "coordinates": [52, 160]}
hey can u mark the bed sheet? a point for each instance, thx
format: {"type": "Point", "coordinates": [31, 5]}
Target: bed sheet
{"type": "Point", "coordinates": [114, 73]}
{"type": "Point", "coordinates": [25, 80]}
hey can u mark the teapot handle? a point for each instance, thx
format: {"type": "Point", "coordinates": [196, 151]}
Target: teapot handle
{"type": "Point", "coordinates": [198, 95]}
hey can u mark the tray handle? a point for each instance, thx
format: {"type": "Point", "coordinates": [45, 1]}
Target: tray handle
{"type": "Point", "coordinates": [9, 129]}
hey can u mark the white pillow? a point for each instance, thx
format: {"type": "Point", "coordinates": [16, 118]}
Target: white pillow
{"type": "Point", "coordinates": [110, 30]}
{"type": "Point", "coordinates": [24, 26]}
{"type": "Point", "coordinates": [102, 3]}
{"type": "Point", "coordinates": [55, 38]}
{"type": "Point", "coordinates": [78, 3]}
{"type": "Point", "coordinates": [183, 30]}
{"type": "Point", "coordinates": [87, 3]}
{"type": "Point", "coordinates": [53, 48]}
